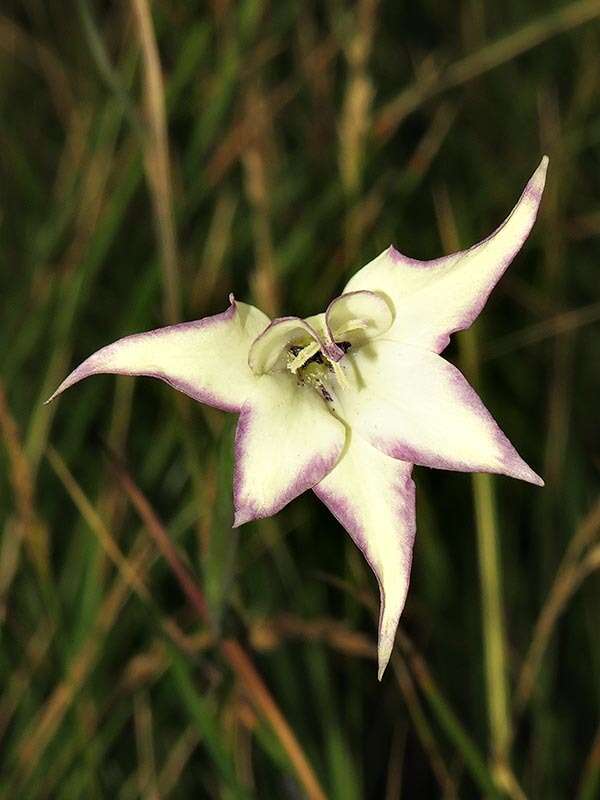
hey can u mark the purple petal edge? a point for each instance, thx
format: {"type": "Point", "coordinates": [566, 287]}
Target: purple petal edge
{"type": "Point", "coordinates": [311, 473]}
{"type": "Point", "coordinates": [533, 191]}
{"type": "Point", "coordinates": [93, 365]}
{"type": "Point", "coordinates": [341, 508]}
{"type": "Point", "coordinates": [514, 465]}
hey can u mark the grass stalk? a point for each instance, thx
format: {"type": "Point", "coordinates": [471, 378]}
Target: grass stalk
{"type": "Point", "coordinates": [490, 572]}
{"type": "Point", "coordinates": [488, 57]}
{"type": "Point", "coordinates": [492, 616]}
{"type": "Point", "coordinates": [291, 142]}
{"type": "Point", "coordinates": [157, 159]}
{"type": "Point", "coordinates": [234, 654]}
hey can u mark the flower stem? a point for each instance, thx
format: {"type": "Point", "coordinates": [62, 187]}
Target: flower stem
{"type": "Point", "coordinates": [490, 577]}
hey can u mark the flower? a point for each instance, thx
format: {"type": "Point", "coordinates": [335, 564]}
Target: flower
{"type": "Point", "coordinates": [345, 402]}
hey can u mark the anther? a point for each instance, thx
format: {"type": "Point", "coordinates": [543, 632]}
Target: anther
{"type": "Point", "coordinates": [339, 374]}
{"type": "Point", "coordinates": [350, 326]}
{"type": "Point", "coordinates": [300, 359]}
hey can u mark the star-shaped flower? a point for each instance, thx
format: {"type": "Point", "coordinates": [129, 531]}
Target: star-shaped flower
{"type": "Point", "coordinates": [345, 402]}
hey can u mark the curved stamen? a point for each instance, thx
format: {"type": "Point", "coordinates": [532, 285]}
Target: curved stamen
{"type": "Point", "coordinates": [349, 327]}
{"type": "Point", "coordinates": [339, 374]}
{"type": "Point", "coordinates": [364, 315]}
{"type": "Point", "coordinates": [300, 359]}
{"type": "Point", "coordinates": [269, 350]}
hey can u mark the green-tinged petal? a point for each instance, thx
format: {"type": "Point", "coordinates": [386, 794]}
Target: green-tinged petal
{"type": "Point", "coordinates": [433, 299]}
{"type": "Point", "coordinates": [268, 353]}
{"type": "Point", "coordinates": [356, 317]}
{"type": "Point", "coordinates": [413, 405]}
{"type": "Point", "coordinates": [206, 359]}
{"type": "Point", "coordinates": [373, 497]}
{"type": "Point", "coordinates": [286, 442]}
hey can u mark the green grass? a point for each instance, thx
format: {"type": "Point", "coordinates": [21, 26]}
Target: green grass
{"type": "Point", "coordinates": [302, 140]}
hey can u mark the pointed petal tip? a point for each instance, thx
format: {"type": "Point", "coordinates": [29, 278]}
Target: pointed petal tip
{"type": "Point", "coordinates": [240, 517]}
{"type": "Point", "coordinates": [538, 179]}
{"type": "Point", "coordinates": [386, 637]}
{"type": "Point", "coordinates": [536, 480]}
{"type": "Point", "coordinates": [394, 253]}
{"type": "Point", "coordinates": [384, 653]}
{"type": "Point", "coordinates": [247, 512]}
{"type": "Point", "coordinates": [523, 472]}
{"type": "Point", "coordinates": [64, 385]}
{"type": "Point", "coordinates": [82, 371]}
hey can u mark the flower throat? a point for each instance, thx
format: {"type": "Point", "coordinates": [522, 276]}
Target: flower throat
{"type": "Point", "coordinates": [312, 367]}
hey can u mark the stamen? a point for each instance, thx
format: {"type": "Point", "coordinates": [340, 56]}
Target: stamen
{"type": "Point", "coordinates": [339, 374]}
{"type": "Point", "coordinates": [303, 356]}
{"type": "Point", "coordinates": [351, 325]}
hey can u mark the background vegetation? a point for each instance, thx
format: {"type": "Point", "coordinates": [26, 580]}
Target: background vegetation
{"type": "Point", "coordinates": [154, 158]}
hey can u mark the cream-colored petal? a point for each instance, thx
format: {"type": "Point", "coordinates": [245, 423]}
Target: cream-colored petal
{"type": "Point", "coordinates": [318, 323]}
{"type": "Point", "coordinates": [433, 299]}
{"type": "Point", "coordinates": [286, 442]}
{"type": "Point", "coordinates": [268, 352]}
{"type": "Point", "coordinates": [373, 497]}
{"type": "Point", "coordinates": [356, 317]}
{"type": "Point", "coordinates": [413, 405]}
{"type": "Point", "coordinates": [206, 359]}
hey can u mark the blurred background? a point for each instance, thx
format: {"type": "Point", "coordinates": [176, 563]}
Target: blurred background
{"type": "Point", "coordinates": [155, 157]}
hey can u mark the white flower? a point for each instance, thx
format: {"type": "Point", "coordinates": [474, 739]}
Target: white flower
{"type": "Point", "coordinates": [346, 402]}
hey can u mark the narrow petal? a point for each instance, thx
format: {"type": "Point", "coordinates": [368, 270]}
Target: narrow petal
{"type": "Point", "coordinates": [413, 405]}
{"type": "Point", "coordinates": [373, 497]}
{"type": "Point", "coordinates": [206, 359]}
{"type": "Point", "coordinates": [286, 442]}
{"type": "Point", "coordinates": [433, 299]}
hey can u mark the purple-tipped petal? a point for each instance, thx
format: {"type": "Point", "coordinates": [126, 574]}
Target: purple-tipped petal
{"type": "Point", "coordinates": [433, 299]}
{"type": "Point", "coordinates": [286, 442]}
{"type": "Point", "coordinates": [206, 359]}
{"type": "Point", "coordinates": [373, 497]}
{"type": "Point", "coordinates": [413, 405]}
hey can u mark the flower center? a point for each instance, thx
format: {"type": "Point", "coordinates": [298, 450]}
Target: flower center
{"type": "Point", "coordinates": [313, 349]}
{"type": "Point", "coordinates": [313, 367]}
